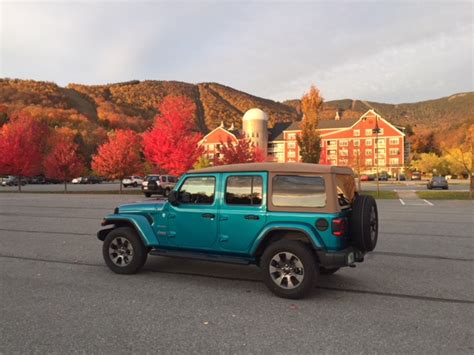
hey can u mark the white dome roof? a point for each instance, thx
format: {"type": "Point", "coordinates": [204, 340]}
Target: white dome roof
{"type": "Point", "coordinates": [255, 114]}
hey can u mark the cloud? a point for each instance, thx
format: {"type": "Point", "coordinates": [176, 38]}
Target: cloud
{"type": "Point", "coordinates": [388, 51]}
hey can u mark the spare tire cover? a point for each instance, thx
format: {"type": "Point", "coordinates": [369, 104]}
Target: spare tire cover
{"type": "Point", "coordinates": [364, 223]}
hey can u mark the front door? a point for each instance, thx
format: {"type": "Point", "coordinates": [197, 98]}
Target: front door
{"type": "Point", "coordinates": [243, 210]}
{"type": "Point", "coordinates": [193, 222]}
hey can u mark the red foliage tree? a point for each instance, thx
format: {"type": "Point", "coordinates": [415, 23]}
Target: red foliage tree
{"type": "Point", "coordinates": [22, 143]}
{"type": "Point", "coordinates": [241, 152]}
{"type": "Point", "coordinates": [172, 143]}
{"type": "Point", "coordinates": [119, 156]}
{"type": "Point", "coordinates": [63, 162]}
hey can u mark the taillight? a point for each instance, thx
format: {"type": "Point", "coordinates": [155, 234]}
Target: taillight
{"type": "Point", "coordinates": [339, 226]}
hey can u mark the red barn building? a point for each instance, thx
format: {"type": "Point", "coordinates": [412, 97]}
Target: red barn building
{"type": "Point", "coordinates": [366, 143]}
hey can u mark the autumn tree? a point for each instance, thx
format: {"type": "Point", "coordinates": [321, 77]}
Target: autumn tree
{"type": "Point", "coordinates": [119, 157]}
{"type": "Point", "coordinates": [309, 141]}
{"type": "Point", "coordinates": [202, 162]}
{"type": "Point", "coordinates": [22, 143]}
{"type": "Point", "coordinates": [172, 143]}
{"type": "Point", "coordinates": [241, 152]}
{"type": "Point", "coordinates": [63, 162]}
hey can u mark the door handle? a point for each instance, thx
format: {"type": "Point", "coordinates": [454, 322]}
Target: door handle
{"type": "Point", "coordinates": [252, 217]}
{"type": "Point", "coordinates": [208, 215]}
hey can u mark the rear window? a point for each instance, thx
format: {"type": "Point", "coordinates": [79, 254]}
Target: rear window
{"type": "Point", "coordinates": [151, 178]}
{"type": "Point", "coordinates": [298, 191]}
{"type": "Point", "coordinates": [171, 179]}
{"type": "Point", "coordinates": [346, 189]}
{"type": "Point", "coordinates": [439, 179]}
{"type": "Point", "coordinates": [244, 190]}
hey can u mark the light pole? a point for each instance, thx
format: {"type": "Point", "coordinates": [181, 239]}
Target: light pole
{"type": "Point", "coordinates": [376, 130]}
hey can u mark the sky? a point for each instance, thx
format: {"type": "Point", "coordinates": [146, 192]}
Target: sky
{"type": "Point", "coordinates": [385, 51]}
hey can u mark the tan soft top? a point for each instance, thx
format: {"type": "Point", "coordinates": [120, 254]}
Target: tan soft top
{"type": "Point", "coordinates": [277, 168]}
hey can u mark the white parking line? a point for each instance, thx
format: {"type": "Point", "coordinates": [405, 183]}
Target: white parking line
{"type": "Point", "coordinates": [429, 203]}
{"type": "Point", "coordinates": [401, 201]}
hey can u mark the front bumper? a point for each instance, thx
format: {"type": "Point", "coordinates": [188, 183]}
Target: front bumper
{"type": "Point", "coordinates": [345, 257]}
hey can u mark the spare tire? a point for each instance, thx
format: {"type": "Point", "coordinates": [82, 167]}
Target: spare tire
{"type": "Point", "coordinates": [364, 223]}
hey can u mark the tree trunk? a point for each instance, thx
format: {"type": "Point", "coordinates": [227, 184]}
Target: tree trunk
{"type": "Point", "coordinates": [65, 186]}
{"type": "Point", "coordinates": [120, 186]}
{"type": "Point", "coordinates": [19, 183]}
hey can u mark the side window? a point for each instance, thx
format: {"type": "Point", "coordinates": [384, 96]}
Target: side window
{"type": "Point", "coordinates": [298, 191]}
{"type": "Point", "coordinates": [198, 190]}
{"type": "Point", "coordinates": [244, 190]}
{"type": "Point", "coordinates": [171, 179]}
{"type": "Point", "coordinates": [163, 178]}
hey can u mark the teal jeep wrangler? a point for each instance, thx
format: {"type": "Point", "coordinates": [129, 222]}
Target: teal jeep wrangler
{"type": "Point", "coordinates": [295, 221]}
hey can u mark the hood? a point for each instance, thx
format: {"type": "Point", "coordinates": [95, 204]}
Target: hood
{"type": "Point", "coordinates": [150, 206]}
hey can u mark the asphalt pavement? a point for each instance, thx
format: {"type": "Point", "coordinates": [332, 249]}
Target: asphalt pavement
{"type": "Point", "coordinates": [414, 294]}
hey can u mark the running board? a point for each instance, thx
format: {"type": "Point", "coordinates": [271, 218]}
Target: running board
{"type": "Point", "coordinates": [200, 256]}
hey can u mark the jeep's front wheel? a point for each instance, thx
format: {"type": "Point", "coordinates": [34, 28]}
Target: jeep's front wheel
{"type": "Point", "coordinates": [123, 251]}
{"type": "Point", "coordinates": [289, 269]}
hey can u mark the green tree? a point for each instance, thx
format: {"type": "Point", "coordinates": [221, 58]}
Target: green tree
{"type": "Point", "coordinates": [309, 141]}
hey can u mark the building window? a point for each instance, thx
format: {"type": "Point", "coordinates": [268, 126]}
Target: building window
{"type": "Point", "coordinates": [381, 162]}
{"type": "Point", "coordinates": [394, 141]}
{"type": "Point", "coordinates": [344, 152]}
{"type": "Point", "coordinates": [331, 143]}
{"type": "Point", "coordinates": [381, 141]}
{"type": "Point", "coordinates": [292, 136]}
{"type": "Point", "coordinates": [211, 156]}
{"type": "Point", "coordinates": [368, 142]}
{"type": "Point", "coordinates": [343, 143]}
{"type": "Point", "coordinates": [218, 146]}
{"type": "Point", "coordinates": [356, 132]}
{"type": "Point", "coordinates": [368, 162]}
{"type": "Point", "coordinates": [368, 132]}
{"type": "Point", "coordinates": [393, 161]}
{"type": "Point", "coordinates": [394, 151]}
{"type": "Point", "coordinates": [292, 145]}
{"type": "Point", "coordinates": [291, 154]}
{"type": "Point", "coordinates": [356, 152]}
{"type": "Point", "coordinates": [368, 152]}
{"type": "Point", "coordinates": [331, 152]}
{"type": "Point", "coordinates": [210, 147]}
{"type": "Point", "coordinates": [356, 143]}
{"type": "Point", "coordinates": [381, 151]}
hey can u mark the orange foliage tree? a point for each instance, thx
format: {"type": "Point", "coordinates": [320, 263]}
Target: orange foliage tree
{"type": "Point", "coordinates": [309, 140]}
{"type": "Point", "coordinates": [172, 143]}
{"type": "Point", "coordinates": [119, 157]}
{"type": "Point", "coordinates": [241, 152]}
{"type": "Point", "coordinates": [63, 161]}
{"type": "Point", "coordinates": [22, 143]}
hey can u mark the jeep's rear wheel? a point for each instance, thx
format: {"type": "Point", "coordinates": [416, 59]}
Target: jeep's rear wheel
{"type": "Point", "coordinates": [364, 223]}
{"type": "Point", "coordinates": [289, 268]}
{"type": "Point", "coordinates": [123, 251]}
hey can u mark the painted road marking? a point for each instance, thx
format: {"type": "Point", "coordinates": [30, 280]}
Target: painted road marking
{"type": "Point", "coordinates": [428, 202]}
{"type": "Point", "coordinates": [401, 201]}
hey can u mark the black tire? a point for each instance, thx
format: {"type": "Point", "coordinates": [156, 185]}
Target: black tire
{"type": "Point", "coordinates": [125, 186]}
{"type": "Point", "coordinates": [304, 256]}
{"type": "Point", "coordinates": [135, 184]}
{"type": "Point", "coordinates": [147, 194]}
{"type": "Point", "coordinates": [324, 271]}
{"type": "Point", "coordinates": [166, 192]}
{"type": "Point", "coordinates": [364, 223]}
{"type": "Point", "coordinates": [124, 237]}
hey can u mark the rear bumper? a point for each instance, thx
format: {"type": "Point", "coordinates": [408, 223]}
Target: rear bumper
{"type": "Point", "coordinates": [345, 257]}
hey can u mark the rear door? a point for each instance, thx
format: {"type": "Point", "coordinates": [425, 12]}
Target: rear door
{"type": "Point", "coordinates": [243, 210]}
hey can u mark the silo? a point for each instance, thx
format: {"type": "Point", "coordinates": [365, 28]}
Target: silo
{"type": "Point", "coordinates": [255, 128]}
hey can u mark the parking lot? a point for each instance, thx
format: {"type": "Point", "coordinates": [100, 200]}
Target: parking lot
{"type": "Point", "coordinates": [415, 293]}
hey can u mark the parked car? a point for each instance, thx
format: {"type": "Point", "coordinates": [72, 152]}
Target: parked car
{"type": "Point", "coordinates": [402, 177]}
{"type": "Point", "coordinates": [48, 180]}
{"type": "Point", "coordinates": [13, 181]}
{"type": "Point", "coordinates": [437, 182]}
{"type": "Point", "coordinates": [158, 184]}
{"type": "Point", "coordinates": [77, 180]}
{"type": "Point", "coordinates": [383, 177]}
{"type": "Point", "coordinates": [364, 177]}
{"type": "Point", "coordinates": [132, 181]}
{"type": "Point", "coordinates": [91, 180]}
{"type": "Point", "coordinates": [295, 221]}
{"type": "Point", "coordinates": [416, 175]}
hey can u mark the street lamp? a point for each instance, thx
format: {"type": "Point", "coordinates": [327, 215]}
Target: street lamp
{"type": "Point", "coordinates": [376, 130]}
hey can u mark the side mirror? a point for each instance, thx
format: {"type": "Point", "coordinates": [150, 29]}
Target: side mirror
{"type": "Point", "coordinates": [173, 198]}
